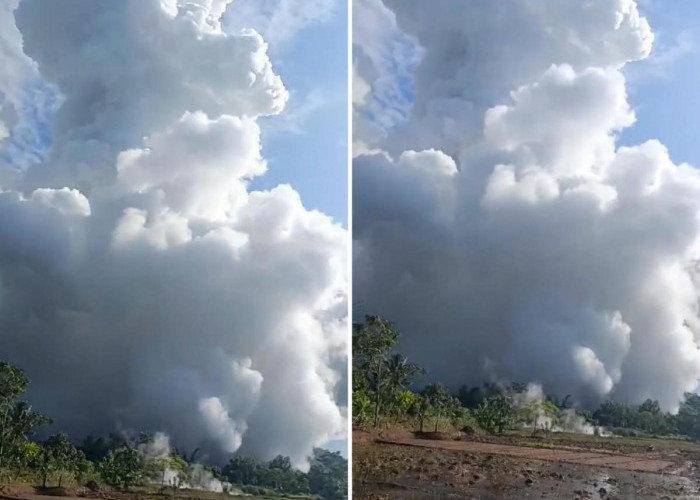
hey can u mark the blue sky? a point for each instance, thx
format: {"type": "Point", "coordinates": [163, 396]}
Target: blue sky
{"type": "Point", "coordinates": [663, 90]}
{"type": "Point", "coordinates": [307, 146]}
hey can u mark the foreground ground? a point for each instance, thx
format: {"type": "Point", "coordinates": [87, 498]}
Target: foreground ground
{"type": "Point", "coordinates": [399, 465]}
{"type": "Point", "coordinates": [28, 492]}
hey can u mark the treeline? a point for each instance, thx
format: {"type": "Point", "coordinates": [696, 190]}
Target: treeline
{"type": "Point", "coordinates": [381, 380]}
{"type": "Point", "coordinates": [123, 462]}
{"type": "Point", "coordinates": [327, 476]}
{"type": "Point", "coordinates": [382, 395]}
{"type": "Point", "coordinates": [648, 418]}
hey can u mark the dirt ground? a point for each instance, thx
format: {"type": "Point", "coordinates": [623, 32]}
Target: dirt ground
{"type": "Point", "coordinates": [397, 465]}
{"type": "Point", "coordinates": [28, 492]}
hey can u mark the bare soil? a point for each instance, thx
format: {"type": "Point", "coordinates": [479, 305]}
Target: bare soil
{"type": "Point", "coordinates": [396, 464]}
{"type": "Point", "coordinates": [28, 492]}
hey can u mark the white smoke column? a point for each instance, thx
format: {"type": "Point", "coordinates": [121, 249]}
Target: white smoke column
{"type": "Point", "coordinates": [198, 476]}
{"type": "Point", "coordinates": [142, 283]}
{"type": "Point", "coordinates": [501, 221]}
{"type": "Point", "coordinates": [534, 400]}
{"type": "Point", "coordinates": [157, 447]}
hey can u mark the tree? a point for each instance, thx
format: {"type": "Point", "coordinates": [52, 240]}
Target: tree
{"type": "Point", "coordinates": [20, 422]}
{"type": "Point", "coordinates": [243, 470]}
{"type": "Point", "coordinates": [440, 401]}
{"type": "Point", "coordinates": [399, 372]}
{"type": "Point", "coordinates": [470, 397]}
{"type": "Point", "coordinates": [401, 402]}
{"type": "Point", "coordinates": [650, 406]}
{"type": "Point", "coordinates": [540, 412]}
{"type": "Point", "coordinates": [421, 409]}
{"type": "Point", "coordinates": [84, 468]}
{"type": "Point", "coordinates": [370, 346]}
{"type": "Point", "coordinates": [13, 383]}
{"type": "Point", "coordinates": [121, 468]}
{"type": "Point", "coordinates": [23, 455]}
{"type": "Point", "coordinates": [96, 449]}
{"type": "Point", "coordinates": [278, 474]}
{"type": "Point", "coordinates": [361, 407]}
{"type": "Point", "coordinates": [179, 467]}
{"type": "Point", "coordinates": [280, 462]}
{"type": "Point", "coordinates": [328, 475]}
{"type": "Point", "coordinates": [61, 455]}
{"type": "Point", "coordinates": [688, 419]}
{"type": "Point", "coordinates": [45, 464]}
{"type": "Point", "coordinates": [23, 421]}
{"type": "Point", "coordinates": [496, 413]}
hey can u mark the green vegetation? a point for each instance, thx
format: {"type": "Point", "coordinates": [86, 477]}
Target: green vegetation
{"type": "Point", "coordinates": [119, 461]}
{"type": "Point", "coordinates": [121, 468]}
{"type": "Point", "coordinates": [381, 379]}
{"type": "Point", "coordinates": [497, 413]}
{"type": "Point", "coordinates": [327, 476]}
{"type": "Point", "coordinates": [383, 395]}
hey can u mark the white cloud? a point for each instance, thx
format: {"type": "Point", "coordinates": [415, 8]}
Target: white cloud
{"type": "Point", "coordinates": [550, 252]}
{"type": "Point", "coordinates": [279, 21]}
{"type": "Point", "coordinates": [141, 243]}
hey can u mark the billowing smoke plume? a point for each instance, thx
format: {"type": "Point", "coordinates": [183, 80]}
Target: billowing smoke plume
{"type": "Point", "coordinates": [142, 284]}
{"type": "Point", "coordinates": [194, 476]}
{"type": "Point", "coordinates": [541, 414]}
{"type": "Point", "coordinates": [500, 225]}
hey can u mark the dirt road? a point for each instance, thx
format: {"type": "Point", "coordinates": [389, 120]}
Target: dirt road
{"type": "Point", "coordinates": [638, 463]}
{"type": "Point", "coordinates": [397, 465]}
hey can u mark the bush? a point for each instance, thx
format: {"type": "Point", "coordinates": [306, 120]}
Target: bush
{"type": "Point", "coordinates": [92, 485]}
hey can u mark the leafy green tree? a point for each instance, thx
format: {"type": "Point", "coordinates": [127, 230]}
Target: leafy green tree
{"type": "Point", "coordinates": [280, 462]}
{"type": "Point", "coordinates": [328, 475]}
{"type": "Point", "coordinates": [440, 401]}
{"type": "Point", "coordinates": [84, 468]}
{"type": "Point", "coordinates": [401, 402]}
{"type": "Point", "coordinates": [459, 415]}
{"type": "Point", "coordinates": [472, 397]}
{"type": "Point", "coordinates": [371, 344]}
{"type": "Point", "coordinates": [540, 412]}
{"type": "Point", "coordinates": [179, 467]}
{"type": "Point", "coordinates": [243, 470]}
{"type": "Point", "coordinates": [23, 422]}
{"type": "Point", "coordinates": [96, 449]}
{"type": "Point", "coordinates": [399, 373]}
{"type": "Point", "coordinates": [23, 455]}
{"type": "Point", "coordinates": [688, 418]}
{"type": "Point", "coordinates": [650, 406]}
{"type": "Point", "coordinates": [20, 423]}
{"type": "Point", "coordinates": [45, 464]}
{"type": "Point", "coordinates": [361, 407]}
{"type": "Point", "coordinates": [62, 455]}
{"type": "Point", "coordinates": [121, 468]}
{"type": "Point", "coordinates": [421, 410]}
{"type": "Point", "coordinates": [13, 383]}
{"type": "Point", "coordinates": [158, 468]}
{"type": "Point", "coordinates": [281, 476]}
{"type": "Point", "coordinates": [496, 414]}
